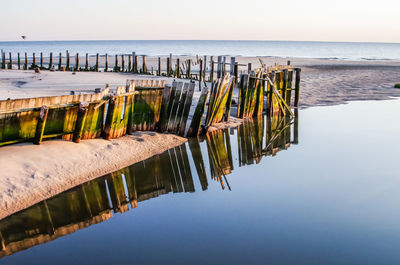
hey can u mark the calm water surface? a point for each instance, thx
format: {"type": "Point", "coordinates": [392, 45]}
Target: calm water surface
{"type": "Point", "coordinates": [323, 189]}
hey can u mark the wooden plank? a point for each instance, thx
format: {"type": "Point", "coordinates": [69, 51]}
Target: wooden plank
{"type": "Point", "coordinates": [194, 128]}
{"type": "Point", "coordinates": [164, 107]}
{"type": "Point", "coordinates": [41, 123]}
{"type": "Point", "coordinates": [187, 104]}
{"type": "Point", "coordinates": [109, 118]}
{"type": "Point", "coordinates": [175, 105]}
{"type": "Point", "coordinates": [80, 122]}
{"type": "Point", "coordinates": [229, 101]}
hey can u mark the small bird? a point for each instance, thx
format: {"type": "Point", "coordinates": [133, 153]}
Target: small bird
{"type": "Point", "coordinates": [23, 37]}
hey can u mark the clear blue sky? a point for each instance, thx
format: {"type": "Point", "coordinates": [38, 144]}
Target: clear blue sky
{"type": "Point", "coordinates": [336, 20]}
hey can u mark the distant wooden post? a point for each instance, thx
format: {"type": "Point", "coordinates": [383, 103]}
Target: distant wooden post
{"type": "Point", "coordinates": [204, 67]}
{"type": "Point", "coordinates": [97, 62]}
{"type": "Point", "coordinates": [80, 122]}
{"type": "Point", "coordinates": [51, 61]}
{"type": "Point", "coordinates": [200, 73]}
{"type": "Point", "coordinates": [232, 67]}
{"type": "Point", "coordinates": [189, 68]}
{"type": "Point", "coordinates": [144, 67]}
{"type": "Point", "coordinates": [297, 87]}
{"type": "Point", "coordinates": [288, 62]}
{"type": "Point", "coordinates": [60, 62]}
{"type": "Point", "coordinates": [236, 71]}
{"type": "Point", "coordinates": [68, 60]}
{"type": "Point", "coordinates": [159, 66]}
{"type": "Point", "coordinates": [26, 62]}
{"type": "Point", "coordinates": [106, 63]}
{"type": "Point", "coordinates": [3, 60]}
{"type": "Point", "coordinates": [10, 64]}
{"type": "Point", "coordinates": [87, 62]}
{"type": "Point", "coordinates": [223, 66]}
{"type": "Point", "coordinates": [34, 59]}
{"type": "Point", "coordinates": [123, 63]}
{"type": "Point", "coordinates": [135, 63]}
{"type": "Point", "coordinates": [77, 62]}
{"type": "Point", "coordinates": [41, 60]}
{"type": "Point", "coordinates": [129, 63]}
{"type": "Point", "coordinates": [178, 68]}
{"type": "Point", "coordinates": [19, 61]}
{"type": "Point", "coordinates": [212, 70]}
{"type": "Point", "coordinates": [41, 123]}
{"type": "Point", "coordinates": [168, 67]}
{"type": "Point", "coordinates": [248, 68]}
{"type": "Point", "coordinates": [219, 68]}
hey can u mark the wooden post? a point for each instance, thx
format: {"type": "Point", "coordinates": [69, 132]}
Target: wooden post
{"type": "Point", "coordinates": [34, 59]}
{"type": "Point", "coordinates": [41, 60]}
{"type": "Point", "coordinates": [189, 68]}
{"type": "Point", "coordinates": [232, 67]}
{"type": "Point", "coordinates": [87, 62]}
{"type": "Point", "coordinates": [60, 62]}
{"type": "Point", "coordinates": [123, 63]}
{"type": "Point", "coordinates": [10, 64]}
{"type": "Point", "coordinates": [68, 60]}
{"type": "Point", "coordinates": [77, 62]}
{"type": "Point", "coordinates": [106, 63]}
{"type": "Point", "coordinates": [212, 70]}
{"type": "Point", "coordinates": [80, 121]}
{"type": "Point", "coordinates": [297, 87]}
{"type": "Point", "coordinates": [236, 71]}
{"type": "Point", "coordinates": [3, 60]}
{"type": "Point", "coordinates": [26, 61]}
{"type": "Point", "coordinates": [198, 114]}
{"type": "Point", "coordinates": [51, 61]}
{"type": "Point", "coordinates": [109, 118]}
{"type": "Point", "coordinates": [248, 68]}
{"type": "Point", "coordinates": [200, 73]}
{"type": "Point", "coordinates": [144, 67]}
{"type": "Point", "coordinates": [116, 64]}
{"type": "Point", "coordinates": [159, 66]}
{"type": "Point", "coordinates": [288, 62]}
{"type": "Point", "coordinates": [41, 123]}
{"type": "Point", "coordinates": [178, 68]}
{"type": "Point", "coordinates": [224, 66]}
{"type": "Point", "coordinates": [97, 62]}
{"type": "Point", "coordinates": [135, 63]}
{"type": "Point", "coordinates": [168, 65]}
{"type": "Point", "coordinates": [19, 61]}
{"type": "Point", "coordinates": [129, 63]}
{"type": "Point", "coordinates": [204, 67]}
{"type": "Point", "coordinates": [219, 70]}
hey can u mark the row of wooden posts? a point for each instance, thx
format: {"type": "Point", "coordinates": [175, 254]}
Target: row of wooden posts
{"type": "Point", "coordinates": [179, 69]}
{"type": "Point", "coordinates": [168, 172]}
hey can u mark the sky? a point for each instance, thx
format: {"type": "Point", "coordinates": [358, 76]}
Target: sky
{"type": "Point", "coordinates": [307, 20]}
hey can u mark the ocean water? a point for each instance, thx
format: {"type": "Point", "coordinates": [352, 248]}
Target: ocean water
{"type": "Point", "coordinates": [300, 49]}
{"type": "Point", "coordinates": [323, 189]}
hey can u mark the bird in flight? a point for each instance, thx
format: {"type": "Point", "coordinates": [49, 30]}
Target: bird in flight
{"type": "Point", "coordinates": [23, 37]}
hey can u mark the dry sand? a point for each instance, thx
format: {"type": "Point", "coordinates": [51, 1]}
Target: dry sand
{"type": "Point", "coordinates": [31, 173]}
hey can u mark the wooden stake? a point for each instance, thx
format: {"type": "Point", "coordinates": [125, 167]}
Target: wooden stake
{"type": "Point", "coordinates": [168, 65]}
{"type": "Point", "coordinates": [178, 68]}
{"type": "Point", "coordinates": [135, 63]}
{"type": "Point", "coordinates": [10, 64]}
{"type": "Point", "coordinates": [248, 68]}
{"type": "Point", "coordinates": [106, 62]}
{"type": "Point", "coordinates": [200, 73]}
{"type": "Point", "coordinates": [109, 118]}
{"type": "Point", "coordinates": [97, 62]}
{"type": "Point", "coordinates": [129, 63]}
{"type": "Point", "coordinates": [189, 67]}
{"type": "Point", "coordinates": [87, 62]}
{"type": "Point", "coordinates": [80, 121]}
{"type": "Point", "coordinates": [41, 60]}
{"type": "Point", "coordinates": [68, 60]}
{"type": "Point", "coordinates": [123, 63]}
{"type": "Point", "coordinates": [77, 62]}
{"type": "Point", "coordinates": [60, 62]}
{"type": "Point", "coordinates": [41, 123]}
{"type": "Point", "coordinates": [212, 70]}
{"type": "Point", "coordinates": [116, 64]}
{"type": "Point", "coordinates": [198, 114]}
{"type": "Point", "coordinates": [159, 66]}
{"type": "Point", "coordinates": [3, 60]}
{"type": "Point", "coordinates": [34, 60]}
{"type": "Point", "coordinates": [51, 61]}
{"type": "Point", "coordinates": [144, 67]}
{"type": "Point", "coordinates": [19, 61]}
{"type": "Point", "coordinates": [26, 62]}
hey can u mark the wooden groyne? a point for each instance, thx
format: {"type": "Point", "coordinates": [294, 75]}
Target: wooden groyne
{"type": "Point", "coordinates": [170, 172]}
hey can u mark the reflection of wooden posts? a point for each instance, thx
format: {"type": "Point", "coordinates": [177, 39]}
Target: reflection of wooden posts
{"type": "Point", "coordinates": [297, 87]}
{"type": "Point", "coordinates": [198, 162]}
{"type": "Point", "coordinates": [296, 127]}
{"type": "Point", "coordinates": [41, 123]}
{"type": "Point", "coordinates": [51, 61]}
{"type": "Point", "coordinates": [77, 62]}
{"type": "Point", "coordinates": [19, 61]}
{"type": "Point", "coordinates": [97, 62]}
{"type": "Point", "coordinates": [184, 168]}
{"type": "Point", "coordinates": [106, 63]}
{"type": "Point", "coordinates": [80, 122]}
{"type": "Point", "coordinates": [228, 147]}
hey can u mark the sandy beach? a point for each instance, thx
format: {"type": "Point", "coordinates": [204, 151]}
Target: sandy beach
{"type": "Point", "coordinates": [30, 174]}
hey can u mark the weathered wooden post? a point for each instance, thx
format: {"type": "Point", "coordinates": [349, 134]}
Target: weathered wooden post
{"type": "Point", "coordinates": [248, 68]}
{"type": "Point", "coordinates": [26, 61]}
{"type": "Point", "coordinates": [80, 121]}
{"type": "Point", "coordinates": [178, 68]}
{"type": "Point", "coordinates": [129, 63]}
{"type": "Point", "coordinates": [284, 85]}
{"type": "Point", "coordinates": [41, 123]}
{"type": "Point", "coordinates": [51, 61]}
{"type": "Point", "coordinates": [10, 63]}
{"type": "Point", "coordinates": [3, 60]}
{"type": "Point", "coordinates": [41, 60]}
{"type": "Point", "coordinates": [97, 62]}
{"type": "Point", "coordinates": [168, 67]}
{"type": "Point", "coordinates": [297, 87]}
{"type": "Point", "coordinates": [106, 63]}
{"type": "Point", "coordinates": [144, 67]}
{"type": "Point", "coordinates": [34, 60]}
{"type": "Point", "coordinates": [204, 67]}
{"type": "Point", "coordinates": [135, 63]}
{"type": "Point", "coordinates": [116, 64]}
{"type": "Point", "coordinates": [87, 62]}
{"type": "Point", "coordinates": [198, 114]}
{"type": "Point", "coordinates": [189, 69]}
{"type": "Point", "coordinates": [212, 69]}
{"type": "Point", "coordinates": [232, 66]}
{"type": "Point", "coordinates": [159, 66]}
{"type": "Point", "coordinates": [59, 61]}
{"type": "Point", "coordinates": [67, 63]}
{"type": "Point", "coordinates": [236, 71]}
{"type": "Point", "coordinates": [109, 118]}
{"type": "Point", "coordinates": [219, 68]}
{"type": "Point", "coordinates": [200, 73]}
{"type": "Point", "coordinates": [123, 63]}
{"type": "Point", "coordinates": [19, 61]}
{"type": "Point", "coordinates": [77, 62]}
{"type": "Point", "coordinates": [224, 66]}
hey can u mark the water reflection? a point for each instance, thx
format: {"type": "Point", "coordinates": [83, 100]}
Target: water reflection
{"type": "Point", "coordinates": [171, 171]}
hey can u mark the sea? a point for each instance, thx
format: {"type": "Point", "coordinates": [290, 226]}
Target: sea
{"type": "Point", "coordinates": [298, 49]}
